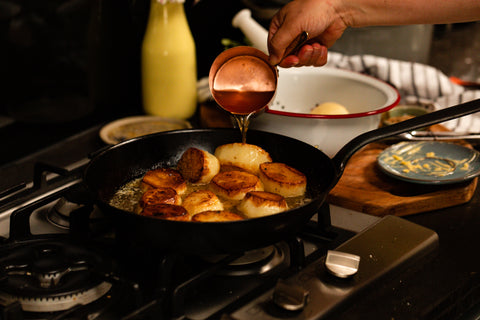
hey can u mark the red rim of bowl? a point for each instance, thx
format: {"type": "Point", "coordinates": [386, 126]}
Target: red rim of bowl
{"type": "Point", "coordinates": [341, 116]}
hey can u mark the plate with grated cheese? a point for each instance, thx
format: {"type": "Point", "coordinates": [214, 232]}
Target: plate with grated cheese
{"type": "Point", "coordinates": [430, 162]}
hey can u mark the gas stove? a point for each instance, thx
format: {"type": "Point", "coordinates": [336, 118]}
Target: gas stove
{"type": "Point", "coordinates": [61, 259]}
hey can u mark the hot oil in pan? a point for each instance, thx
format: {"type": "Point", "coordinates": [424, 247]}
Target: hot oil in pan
{"type": "Point", "coordinates": [230, 181]}
{"type": "Point", "coordinates": [128, 196]}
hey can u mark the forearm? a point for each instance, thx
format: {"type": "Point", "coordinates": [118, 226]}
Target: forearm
{"type": "Point", "coordinates": [326, 20]}
{"type": "Point", "coordinates": [360, 13]}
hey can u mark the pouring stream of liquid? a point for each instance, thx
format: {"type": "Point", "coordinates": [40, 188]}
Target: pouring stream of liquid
{"type": "Point", "coordinates": [243, 122]}
{"type": "Point", "coordinates": [243, 82]}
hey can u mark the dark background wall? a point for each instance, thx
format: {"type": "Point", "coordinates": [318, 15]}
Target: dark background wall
{"type": "Point", "coordinates": [87, 52]}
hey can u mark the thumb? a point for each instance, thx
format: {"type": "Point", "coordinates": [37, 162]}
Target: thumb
{"type": "Point", "coordinates": [275, 54]}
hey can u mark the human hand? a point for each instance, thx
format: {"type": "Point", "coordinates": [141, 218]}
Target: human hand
{"type": "Point", "coordinates": [313, 54]}
{"type": "Point", "coordinates": [320, 19]}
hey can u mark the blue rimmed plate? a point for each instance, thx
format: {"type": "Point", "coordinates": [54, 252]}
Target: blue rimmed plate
{"type": "Point", "coordinates": [430, 162]}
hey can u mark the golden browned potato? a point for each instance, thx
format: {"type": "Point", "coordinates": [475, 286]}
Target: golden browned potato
{"type": "Point", "coordinates": [167, 212]}
{"type": "Point", "coordinates": [227, 167]}
{"type": "Point", "coordinates": [261, 203]}
{"type": "Point", "coordinates": [165, 178]}
{"type": "Point", "coordinates": [202, 200]}
{"type": "Point", "coordinates": [216, 216]}
{"type": "Point", "coordinates": [242, 155]}
{"type": "Point", "coordinates": [160, 195]}
{"type": "Point", "coordinates": [198, 166]}
{"type": "Point", "coordinates": [234, 185]}
{"type": "Point", "coordinates": [283, 179]}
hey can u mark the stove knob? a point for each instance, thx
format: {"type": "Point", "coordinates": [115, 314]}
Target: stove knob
{"type": "Point", "coordinates": [290, 297]}
{"type": "Point", "coordinates": [342, 264]}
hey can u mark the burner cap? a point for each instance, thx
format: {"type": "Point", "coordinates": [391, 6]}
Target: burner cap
{"type": "Point", "coordinates": [59, 214]}
{"type": "Point", "coordinates": [256, 262]}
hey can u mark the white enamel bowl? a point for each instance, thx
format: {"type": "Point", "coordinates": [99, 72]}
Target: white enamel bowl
{"type": "Point", "coordinates": [299, 90]}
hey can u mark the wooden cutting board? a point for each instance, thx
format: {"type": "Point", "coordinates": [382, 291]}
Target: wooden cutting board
{"type": "Point", "coordinates": [364, 188]}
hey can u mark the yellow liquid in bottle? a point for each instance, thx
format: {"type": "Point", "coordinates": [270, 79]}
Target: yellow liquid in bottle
{"type": "Point", "coordinates": [169, 69]}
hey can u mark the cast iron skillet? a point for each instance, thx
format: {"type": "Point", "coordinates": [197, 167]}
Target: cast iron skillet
{"type": "Point", "coordinates": [130, 159]}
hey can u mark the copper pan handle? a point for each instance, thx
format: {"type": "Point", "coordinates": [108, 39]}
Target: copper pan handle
{"type": "Point", "coordinates": [296, 44]}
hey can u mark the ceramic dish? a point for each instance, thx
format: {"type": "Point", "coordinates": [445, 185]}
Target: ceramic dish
{"type": "Point", "coordinates": [300, 90]}
{"type": "Point", "coordinates": [132, 127]}
{"type": "Point", "coordinates": [403, 112]}
{"type": "Point", "coordinates": [430, 162]}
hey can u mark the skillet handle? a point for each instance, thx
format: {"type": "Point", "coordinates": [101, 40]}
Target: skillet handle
{"type": "Point", "coordinates": [343, 155]}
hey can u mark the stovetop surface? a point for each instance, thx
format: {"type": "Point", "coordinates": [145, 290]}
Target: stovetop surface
{"type": "Point", "coordinates": [218, 295]}
{"type": "Point", "coordinates": [443, 287]}
{"type": "Point", "coordinates": [31, 262]}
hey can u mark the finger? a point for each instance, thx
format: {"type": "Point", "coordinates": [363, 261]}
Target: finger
{"type": "Point", "coordinates": [281, 34]}
{"type": "Point", "coordinates": [313, 55]}
{"type": "Point", "coordinates": [305, 55]}
{"type": "Point", "coordinates": [290, 61]}
{"type": "Point", "coordinates": [321, 54]}
{"type": "Point", "coordinates": [301, 58]}
{"type": "Point", "coordinates": [317, 56]}
{"type": "Point", "coordinates": [274, 43]}
{"type": "Point", "coordinates": [277, 46]}
{"type": "Point", "coordinates": [309, 55]}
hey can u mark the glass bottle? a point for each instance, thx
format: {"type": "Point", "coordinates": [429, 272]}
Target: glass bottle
{"type": "Point", "coordinates": [169, 67]}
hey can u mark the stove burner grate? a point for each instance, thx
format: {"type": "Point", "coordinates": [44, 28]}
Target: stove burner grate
{"type": "Point", "coordinates": [50, 275]}
{"type": "Point", "coordinates": [59, 302]}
